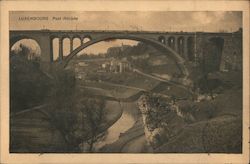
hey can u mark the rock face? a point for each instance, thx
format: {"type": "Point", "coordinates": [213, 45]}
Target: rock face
{"type": "Point", "coordinates": [160, 119]}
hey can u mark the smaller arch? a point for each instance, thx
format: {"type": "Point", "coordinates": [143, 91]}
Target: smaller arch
{"type": "Point", "coordinates": [64, 36]}
{"type": "Point", "coordinates": [76, 42]}
{"type": "Point", "coordinates": [55, 48]}
{"type": "Point", "coordinates": [66, 46]}
{"type": "Point", "coordinates": [86, 39]}
{"type": "Point", "coordinates": [180, 44]}
{"type": "Point", "coordinates": [162, 39]}
{"type": "Point", "coordinates": [171, 42]}
{"type": "Point", "coordinates": [76, 36]}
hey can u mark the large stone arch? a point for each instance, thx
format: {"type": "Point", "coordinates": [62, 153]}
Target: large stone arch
{"type": "Point", "coordinates": [180, 62]}
{"type": "Point", "coordinates": [34, 44]}
{"type": "Point", "coordinates": [44, 42]}
{"type": "Point", "coordinates": [15, 39]}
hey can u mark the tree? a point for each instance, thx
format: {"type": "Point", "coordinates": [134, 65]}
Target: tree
{"type": "Point", "coordinates": [75, 115]}
{"type": "Point", "coordinates": [93, 110]}
{"type": "Point", "coordinates": [63, 112]}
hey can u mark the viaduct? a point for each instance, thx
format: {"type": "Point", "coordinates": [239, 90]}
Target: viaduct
{"type": "Point", "coordinates": [182, 47]}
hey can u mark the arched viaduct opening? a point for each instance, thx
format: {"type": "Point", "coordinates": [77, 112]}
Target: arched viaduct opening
{"type": "Point", "coordinates": [162, 39]}
{"type": "Point", "coordinates": [27, 47]}
{"type": "Point", "coordinates": [63, 46]}
{"type": "Point", "coordinates": [171, 42]}
{"type": "Point", "coordinates": [212, 55]}
{"type": "Point", "coordinates": [181, 46]}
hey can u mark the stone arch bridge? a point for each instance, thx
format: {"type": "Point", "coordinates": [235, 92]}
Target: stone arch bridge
{"type": "Point", "coordinates": [182, 47]}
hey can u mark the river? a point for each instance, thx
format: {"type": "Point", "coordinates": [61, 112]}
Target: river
{"type": "Point", "coordinates": [126, 121]}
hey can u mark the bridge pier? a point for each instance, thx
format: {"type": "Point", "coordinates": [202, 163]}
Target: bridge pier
{"type": "Point", "coordinates": [176, 44]}
{"type": "Point", "coordinates": [185, 51]}
{"type": "Point", "coordinates": [51, 50]}
{"type": "Point", "coordinates": [81, 41]}
{"type": "Point", "coordinates": [60, 49]}
{"type": "Point", "coordinates": [71, 44]}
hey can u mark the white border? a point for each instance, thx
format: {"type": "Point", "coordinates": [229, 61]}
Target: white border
{"type": "Point", "coordinates": [7, 6]}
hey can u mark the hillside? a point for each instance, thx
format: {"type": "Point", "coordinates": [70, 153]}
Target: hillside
{"type": "Point", "coordinates": [209, 126]}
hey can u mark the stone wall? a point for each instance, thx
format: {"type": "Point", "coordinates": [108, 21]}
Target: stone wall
{"type": "Point", "coordinates": [232, 53]}
{"type": "Point", "coordinates": [230, 58]}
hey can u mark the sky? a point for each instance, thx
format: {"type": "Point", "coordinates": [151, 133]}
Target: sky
{"type": "Point", "coordinates": [189, 21]}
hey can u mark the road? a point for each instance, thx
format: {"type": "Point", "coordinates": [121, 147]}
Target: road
{"type": "Point", "coordinates": [163, 80]}
{"type": "Point", "coordinates": [122, 86]}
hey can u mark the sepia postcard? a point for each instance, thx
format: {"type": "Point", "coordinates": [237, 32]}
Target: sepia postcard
{"type": "Point", "coordinates": [124, 82]}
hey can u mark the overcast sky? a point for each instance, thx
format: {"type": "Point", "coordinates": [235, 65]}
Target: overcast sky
{"type": "Point", "coordinates": [130, 20]}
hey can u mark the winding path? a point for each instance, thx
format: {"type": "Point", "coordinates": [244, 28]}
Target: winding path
{"type": "Point", "coordinates": [163, 80]}
{"type": "Point", "coordinates": [123, 86]}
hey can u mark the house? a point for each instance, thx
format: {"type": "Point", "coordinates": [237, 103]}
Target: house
{"type": "Point", "coordinates": [116, 65]}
